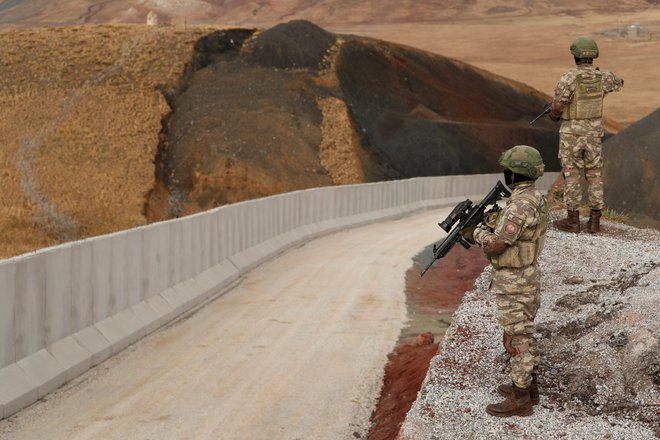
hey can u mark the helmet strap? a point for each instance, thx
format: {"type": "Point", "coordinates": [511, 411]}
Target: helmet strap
{"type": "Point", "coordinates": [508, 177]}
{"type": "Point", "coordinates": [579, 61]}
{"type": "Point", "coordinates": [511, 178]}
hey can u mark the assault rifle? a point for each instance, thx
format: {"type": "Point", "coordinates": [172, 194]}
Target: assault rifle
{"type": "Point", "coordinates": [466, 215]}
{"type": "Point", "coordinates": [546, 109]}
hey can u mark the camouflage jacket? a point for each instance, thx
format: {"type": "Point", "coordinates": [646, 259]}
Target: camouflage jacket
{"type": "Point", "coordinates": [522, 224]}
{"type": "Point", "coordinates": [565, 90]}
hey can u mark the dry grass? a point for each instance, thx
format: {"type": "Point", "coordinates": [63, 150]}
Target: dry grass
{"type": "Point", "coordinates": [80, 114]}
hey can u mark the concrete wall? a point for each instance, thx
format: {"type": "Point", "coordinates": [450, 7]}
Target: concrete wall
{"type": "Point", "coordinates": [67, 308]}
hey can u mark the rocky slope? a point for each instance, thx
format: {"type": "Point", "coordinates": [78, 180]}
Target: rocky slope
{"type": "Point", "coordinates": [598, 330]}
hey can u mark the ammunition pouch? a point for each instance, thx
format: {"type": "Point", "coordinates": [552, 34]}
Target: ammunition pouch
{"type": "Point", "coordinates": [523, 253]}
{"type": "Point", "coordinates": [519, 254]}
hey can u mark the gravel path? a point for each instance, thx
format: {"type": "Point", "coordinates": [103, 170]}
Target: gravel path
{"type": "Point", "coordinates": [295, 351]}
{"type": "Point", "coordinates": [598, 325]}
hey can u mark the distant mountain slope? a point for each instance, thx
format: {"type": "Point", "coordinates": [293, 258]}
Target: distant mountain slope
{"type": "Point", "coordinates": [632, 170]}
{"type": "Point", "coordinates": [72, 12]}
{"type": "Point", "coordinates": [425, 114]}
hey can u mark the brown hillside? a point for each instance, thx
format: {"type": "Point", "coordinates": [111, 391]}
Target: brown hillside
{"type": "Point", "coordinates": [632, 168]}
{"type": "Point", "coordinates": [265, 118]}
{"type": "Point", "coordinates": [331, 12]}
{"type": "Point", "coordinates": [111, 127]}
{"type": "Point", "coordinates": [517, 39]}
{"type": "Point", "coordinates": [425, 115]}
{"type": "Point", "coordinates": [80, 115]}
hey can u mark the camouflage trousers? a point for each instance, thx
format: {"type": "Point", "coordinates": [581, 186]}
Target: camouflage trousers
{"type": "Point", "coordinates": [518, 299]}
{"type": "Point", "coordinates": [578, 153]}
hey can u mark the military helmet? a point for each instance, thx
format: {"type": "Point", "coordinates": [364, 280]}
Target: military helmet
{"type": "Point", "coordinates": [584, 47]}
{"type": "Point", "coordinates": [523, 159]}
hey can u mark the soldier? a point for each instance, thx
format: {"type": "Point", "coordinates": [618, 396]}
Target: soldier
{"type": "Point", "coordinates": [578, 102]}
{"type": "Point", "coordinates": [513, 242]}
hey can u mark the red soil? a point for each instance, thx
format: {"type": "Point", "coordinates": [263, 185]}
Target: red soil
{"type": "Point", "coordinates": [441, 289]}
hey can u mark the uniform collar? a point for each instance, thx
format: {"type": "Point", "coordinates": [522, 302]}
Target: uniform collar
{"type": "Point", "coordinates": [585, 66]}
{"type": "Point", "coordinates": [520, 186]}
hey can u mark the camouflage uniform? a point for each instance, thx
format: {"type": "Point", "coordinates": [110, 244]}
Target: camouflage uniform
{"type": "Point", "coordinates": [516, 275]}
{"type": "Point", "coordinates": [580, 138]}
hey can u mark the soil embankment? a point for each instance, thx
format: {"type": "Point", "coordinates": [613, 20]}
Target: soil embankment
{"type": "Point", "coordinates": [431, 301]}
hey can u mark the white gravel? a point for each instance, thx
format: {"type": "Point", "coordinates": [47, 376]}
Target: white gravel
{"type": "Point", "coordinates": [609, 284]}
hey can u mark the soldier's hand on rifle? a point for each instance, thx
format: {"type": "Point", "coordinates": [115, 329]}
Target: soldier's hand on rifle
{"type": "Point", "coordinates": [468, 234]}
{"type": "Point", "coordinates": [556, 109]}
{"type": "Point", "coordinates": [494, 246]}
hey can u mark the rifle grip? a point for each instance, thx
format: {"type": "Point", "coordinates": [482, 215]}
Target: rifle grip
{"type": "Point", "coordinates": [464, 243]}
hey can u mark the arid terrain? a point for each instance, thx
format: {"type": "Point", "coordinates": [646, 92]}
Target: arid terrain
{"type": "Point", "coordinates": [523, 40]}
{"type": "Point", "coordinates": [169, 121]}
{"type": "Point", "coordinates": [75, 105]}
{"type": "Point", "coordinates": [107, 123]}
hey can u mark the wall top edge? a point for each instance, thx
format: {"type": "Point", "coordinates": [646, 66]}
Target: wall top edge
{"type": "Point", "coordinates": [494, 176]}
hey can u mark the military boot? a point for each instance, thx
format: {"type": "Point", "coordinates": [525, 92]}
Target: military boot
{"type": "Point", "coordinates": [506, 390]}
{"type": "Point", "coordinates": [593, 225]}
{"type": "Point", "coordinates": [518, 403]}
{"type": "Point", "coordinates": [570, 223]}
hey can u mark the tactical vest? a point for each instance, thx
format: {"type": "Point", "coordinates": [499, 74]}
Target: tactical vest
{"type": "Point", "coordinates": [587, 100]}
{"type": "Point", "coordinates": [525, 251]}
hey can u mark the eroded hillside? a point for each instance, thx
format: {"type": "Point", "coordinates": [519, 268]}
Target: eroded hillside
{"type": "Point", "coordinates": [297, 107]}
{"type": "Point", "coordinates": [112, 127]}
{"type": "Point", "coordinates": [81, 110]}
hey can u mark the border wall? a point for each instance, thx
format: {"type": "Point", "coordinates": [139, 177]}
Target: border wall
{"type": "Point", "coordinates": [67, 308]}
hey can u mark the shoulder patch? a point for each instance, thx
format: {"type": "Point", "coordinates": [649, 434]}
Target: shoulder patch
{"type": "Point", "coordinates": [510, 228]}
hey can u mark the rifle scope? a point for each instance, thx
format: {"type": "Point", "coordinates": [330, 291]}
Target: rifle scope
{"type": "Point", "coordinates": [455, 215]}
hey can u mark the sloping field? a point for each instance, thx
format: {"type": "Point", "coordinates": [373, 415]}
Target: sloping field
{"type": "Point", "coordinates": [168, 121]}
{"type": "Point", "coordinates": [80, 116]}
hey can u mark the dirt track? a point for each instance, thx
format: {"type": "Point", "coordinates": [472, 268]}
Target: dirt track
{"type": "Point", "coordinates": [296, 350]}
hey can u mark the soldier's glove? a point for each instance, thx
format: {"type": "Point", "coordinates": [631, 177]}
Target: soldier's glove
{"type": "Point", "coordinates": [468, 234]}
{"type": "Point", "coordinates": [494, 247]}
{"type": "Point", "coordinates": [554, 117]}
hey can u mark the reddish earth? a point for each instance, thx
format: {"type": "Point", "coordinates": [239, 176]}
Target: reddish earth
{"type": "Point", "coordinates": [440, 291]}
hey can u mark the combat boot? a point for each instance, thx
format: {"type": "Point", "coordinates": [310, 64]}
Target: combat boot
{"type": "Point", "coordinates": [570, 223]}
{"type": "Point", "coordinates": [593, 225]}
{"type": "Point", "coordinates": [506, 390]}
{"type": "Point", "coordinates": [518, 403]}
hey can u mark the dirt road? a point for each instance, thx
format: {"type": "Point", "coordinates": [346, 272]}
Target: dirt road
{"type": "Point", "coordinates": [296, 350]}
